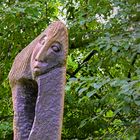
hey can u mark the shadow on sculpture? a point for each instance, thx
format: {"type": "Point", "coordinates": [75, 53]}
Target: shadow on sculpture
{"type": "Point", "coordinates": [37, 79]}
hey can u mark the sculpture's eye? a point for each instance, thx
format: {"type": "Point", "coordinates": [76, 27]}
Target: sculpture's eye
{"type": "Point", "coordinates": [56, 47]}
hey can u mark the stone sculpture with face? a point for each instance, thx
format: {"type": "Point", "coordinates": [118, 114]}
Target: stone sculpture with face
{"type": "Point", "coordinates": [50, 50]}
{"type": "Point", "coordinates": [37, 80]}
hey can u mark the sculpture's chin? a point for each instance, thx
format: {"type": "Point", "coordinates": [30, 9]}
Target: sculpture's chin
{"type": "Point", "coordinates": [39, 71]}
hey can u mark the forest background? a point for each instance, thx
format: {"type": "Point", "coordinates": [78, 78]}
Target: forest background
{"type": "Point", "coordinates": [102, 98]}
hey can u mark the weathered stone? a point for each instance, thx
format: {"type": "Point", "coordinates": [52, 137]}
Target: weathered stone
{"type": "Point", "coordinates": [37, 80]}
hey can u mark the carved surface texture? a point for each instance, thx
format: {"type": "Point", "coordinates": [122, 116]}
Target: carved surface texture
{"type": "Point", "coordinates": [50, 100]}
{"type": "Point", "coordinates": [37, 80]}
{"type": "Point", "coordinates": [24, 97]}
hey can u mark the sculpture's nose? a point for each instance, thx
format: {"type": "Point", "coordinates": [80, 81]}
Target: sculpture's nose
{"type": "Point", "coordinates": [40, 56]}
{"type": "Point", "coordinates": [37, 64]}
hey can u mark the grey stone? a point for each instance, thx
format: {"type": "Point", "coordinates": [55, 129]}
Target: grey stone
{"type": "Point", "coordinates": [37, 79]}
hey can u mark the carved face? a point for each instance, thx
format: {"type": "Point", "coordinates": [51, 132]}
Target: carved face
{"type": "Point", "coordinates": [50, 51]}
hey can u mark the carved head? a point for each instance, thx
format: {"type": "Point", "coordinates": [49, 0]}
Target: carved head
{"type": "Point", "coordinates": [51, 50]}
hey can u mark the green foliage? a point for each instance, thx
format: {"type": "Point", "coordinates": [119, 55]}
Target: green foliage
{"type": "Point", "coordinates": [103, 108]}
{"type": "Point", "coordinates": [102, 99]}
{"type": "Point", "coordinates": [6, 114]}
{"type": "Point", "coordinates": [103, 96]}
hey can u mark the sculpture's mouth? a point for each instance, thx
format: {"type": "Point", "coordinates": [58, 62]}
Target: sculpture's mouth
{"type": "Point", "coordinates": [41, 68]}
{"type": "Point", "coordinates": [40, 64]}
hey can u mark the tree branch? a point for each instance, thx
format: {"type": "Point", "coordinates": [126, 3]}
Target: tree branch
{"type": "Point", "coordinates": [92, 53]}
{"type": "Point", "coordinates": [132, 64]}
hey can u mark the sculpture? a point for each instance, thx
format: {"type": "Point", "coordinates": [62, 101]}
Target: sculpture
{"type": "Point", "coordinates": [37, 80]}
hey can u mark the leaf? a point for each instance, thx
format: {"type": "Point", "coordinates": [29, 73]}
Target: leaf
{"type": "Point", "coordinates": [82, 90]}
{"type": "Point", "coordinates": [90, 94]}
{"type": "Point", "coordinates": [97, 85]}
{"type": "Point", "coordinates": [137, 102]}
{"type": "Point", "coordinates": [125, 88]}
{"type": "Point", "coordinates": [73, 79]}
{"type": "Point", "coordinates": [67, 87]}
{"type": "Point", "coordinates": [115, 49]}
{"type": "Point", "coordinates": [110, 113]}
{"type": "Point", "coordinates": [83, 123]}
